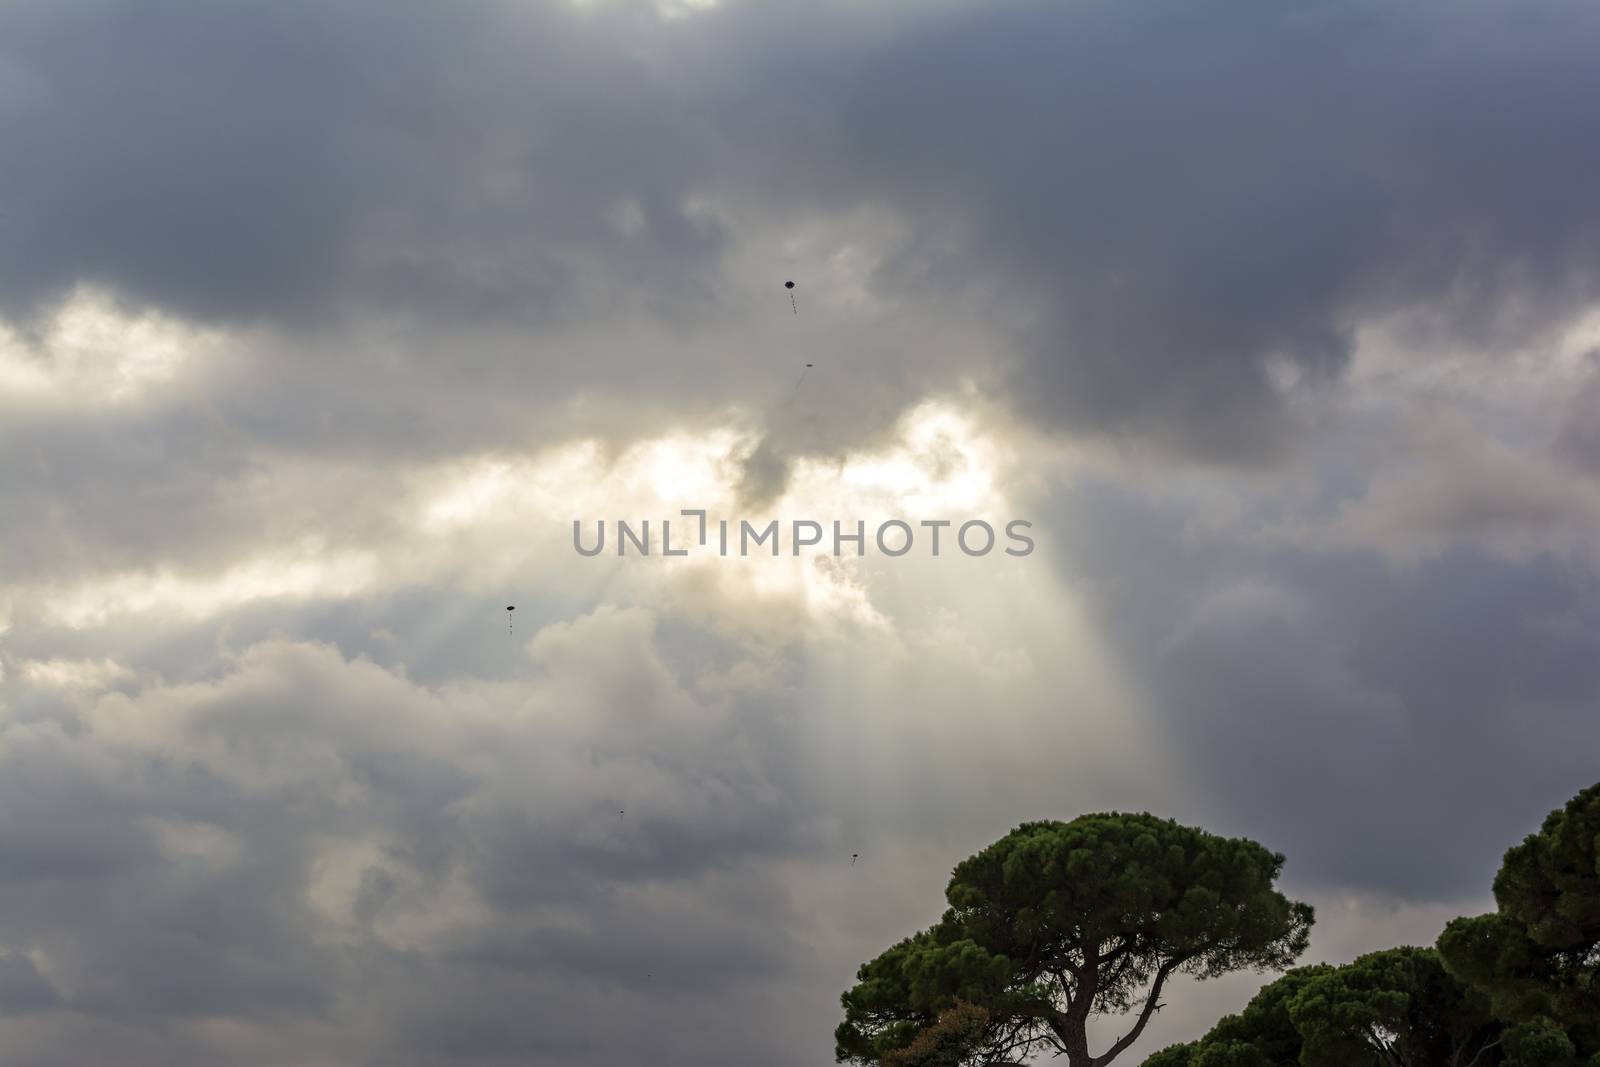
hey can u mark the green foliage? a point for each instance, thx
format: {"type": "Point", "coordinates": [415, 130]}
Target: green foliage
{"type": "Point", "coordinates": [1537, 957]}
{"type": "Point", "coordinates": [1398, 1007]}
{"type": "Point", "coordinates": [950, 1042]}
{"type": "Point", "coordinates": [1231, 1054]}
{"type": "Point", "coordinates": [1173, 1056]}
{"type": "Point", "coordinates": [1264, 1025]}
{"type": "Point", "coordinates": [906, 989]}
{"type": "Point", "coordinates": [1059, 921]}
{"type": "Point", "coordinates": [1540, 1043]}
{"type": "Point", "coordinates": [1210, 1054]}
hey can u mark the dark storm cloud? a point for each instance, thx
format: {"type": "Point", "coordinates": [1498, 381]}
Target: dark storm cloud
{"type": "Point", "coordinates": [281, 162]}
{"type": "Point", "coordinates": [1147, 201]}
{"type": "Point", "coordinates": [1171, 194]}
{"type": "Point", "coordinates": [1394, 730]}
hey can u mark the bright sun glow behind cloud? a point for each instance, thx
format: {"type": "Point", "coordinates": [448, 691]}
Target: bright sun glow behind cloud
{"type": "Point", "coordinates": [504, 518]}
{"type": "Point", "coordinates": [304, 571]}
{"type": "Point", "coordinates": [941, 464]}
{"type": "Point", "coordinates": [95, 353]}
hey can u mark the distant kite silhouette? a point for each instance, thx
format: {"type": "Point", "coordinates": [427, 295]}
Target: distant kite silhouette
{"type": "Point", "coordinates": [509, 609]}
{"type": "Point", "coordinates": [853, 857]}
{"type": "Point", "coordinates": [792, 305]}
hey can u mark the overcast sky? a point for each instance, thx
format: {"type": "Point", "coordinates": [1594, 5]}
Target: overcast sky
{"type": "Point", "coordinates": [321, 323]}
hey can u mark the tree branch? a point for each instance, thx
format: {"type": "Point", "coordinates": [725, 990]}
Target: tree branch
{"type": "Point", "coordinates": [1384, 1049]}
{"type": "Point", "coordinates": [1481, 1051]}
{"type": "Point", "coordinates": [1151, 1003]}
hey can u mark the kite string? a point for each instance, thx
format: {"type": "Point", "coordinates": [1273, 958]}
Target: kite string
{"type": "Point", "coordinates": [795, 392]}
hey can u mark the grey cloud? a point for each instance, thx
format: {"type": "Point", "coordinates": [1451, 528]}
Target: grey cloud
{"type": "Point", "coordinates": [1175, 195]}
{"type": "Point", "coordinates": [1144, 202]}
{"type": "Point", "coordinates": [1578, 438]}
{"type": "Point", "coordinates": [276, 163]}
{"type": "Point", "coordinates": [1110, 214]}
{"type": "Point", "coordinates": [22, 988]}
{"type": "Point", "coordinates": [427, 232]}
{"type": "Point", "coordinates": [294, 757]}
{"type": "Point", "coordinates": [1447, 484]}
{"type": "Point", "coordinates": [380, 871]}
{"type": "Point", "coordinates": [1399, 729]}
